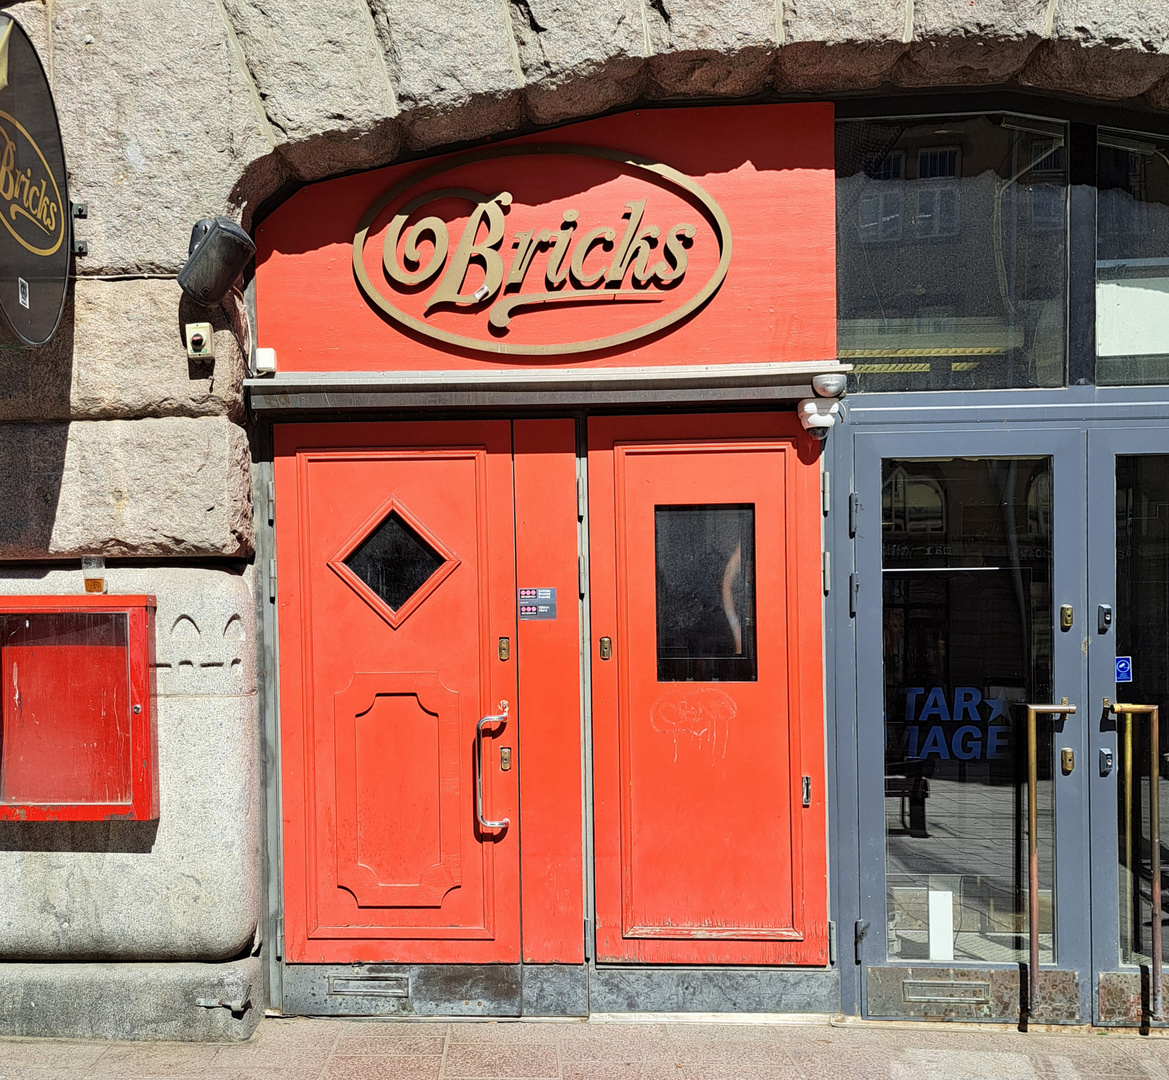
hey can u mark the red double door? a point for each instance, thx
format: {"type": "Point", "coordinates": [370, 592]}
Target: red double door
{"type": "Point", "coordinates": [430, 698]}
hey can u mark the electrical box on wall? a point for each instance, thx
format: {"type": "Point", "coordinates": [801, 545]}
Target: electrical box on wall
{"type": "Point", "coordinates": [77, 728]}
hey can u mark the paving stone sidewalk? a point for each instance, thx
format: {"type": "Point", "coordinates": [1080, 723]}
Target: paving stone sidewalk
{"type": "Point", "coordinates": [601, 1050]}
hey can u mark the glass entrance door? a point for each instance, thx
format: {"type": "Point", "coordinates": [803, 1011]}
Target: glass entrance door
{"type": "Point", "coordinates": [970, 559]}
{"type": "Point", "coordinates": [1128, 487]}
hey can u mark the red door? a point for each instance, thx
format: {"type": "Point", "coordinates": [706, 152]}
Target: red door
{"type": "Point", "coordinates": [397, 579]}
{"type": "Point", "coordinates": [707, 705]}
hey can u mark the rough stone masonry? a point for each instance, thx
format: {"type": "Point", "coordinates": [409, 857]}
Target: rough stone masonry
{"type": "Point", "coordinates": [110, 441]}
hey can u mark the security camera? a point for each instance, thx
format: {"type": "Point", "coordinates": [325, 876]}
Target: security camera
{"type": "Point", "coordinates": [830, 384]}
{"type": "Point", "coordinates": [817, 415]}
{"type": "Point", "coordinates": [218, 252]}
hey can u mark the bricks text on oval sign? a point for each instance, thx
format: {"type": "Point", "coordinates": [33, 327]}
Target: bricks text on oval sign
{"type": "Point", "coordinates": [588, 268]}
{"type": "Point", "coordinates": [565, 261]}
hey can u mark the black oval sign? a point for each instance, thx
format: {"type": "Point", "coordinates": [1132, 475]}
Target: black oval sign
{"type": "Point", "coordinates": [35, 241]}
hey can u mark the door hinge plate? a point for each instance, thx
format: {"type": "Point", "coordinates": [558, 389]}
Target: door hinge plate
{"type": "Point", "coordinates": [806, 790]}
{"type": "Point", "coordinates": [272, 579]}
{"type": "Point", "coordinates": [825, 491]}
{"type": "Point", "coordinates": [271, 502]}
{"type": "Point", "coordinates": [580, 498]}
{"type": "Point", "coordinates": [854, 585]}
{"type": "Point", "coordinates": [860, 929]}
{"type": "Point", "coordinates": [580, 574]}
{"type": "Point", "coordinates": [853, 506]}
{"type": "Point", "coordinates": [831, 941]}
{"type": "Point", "coordinates": [826, 571]}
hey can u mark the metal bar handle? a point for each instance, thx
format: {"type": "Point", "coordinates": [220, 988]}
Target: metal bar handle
{"type": "Point", "coordinates": [1154, 714]}
{"type": "Point", "coordinates": [499, 718]}
{"type": "Point", "coordinates": [1033, 711]}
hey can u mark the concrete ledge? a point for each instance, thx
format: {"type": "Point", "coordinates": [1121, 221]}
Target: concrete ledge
{"type": "Point", "coordinates": [131, 1001]}
{"type": "Point", "coordinates": [204, 625]}
{"type": "Point", "coordinates": [184, 888]}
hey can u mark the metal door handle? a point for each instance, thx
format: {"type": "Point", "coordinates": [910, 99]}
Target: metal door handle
{"type": "Point", "coordinates": [1033, 711]}
{"type": "Point", "coordinates": [1153, 713]}
{"type": "Point", "coordinates": [499, 718]}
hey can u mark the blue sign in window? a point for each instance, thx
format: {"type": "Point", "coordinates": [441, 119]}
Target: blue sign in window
{"type": "Point", "coordinates": [1124, 669]}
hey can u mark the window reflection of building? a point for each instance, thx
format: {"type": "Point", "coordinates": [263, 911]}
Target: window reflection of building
{"type": "Point", "coordinates": [951, 252]}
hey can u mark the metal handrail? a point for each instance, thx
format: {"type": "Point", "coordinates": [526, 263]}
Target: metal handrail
{"type": "Point", "coordinates": [1154, 715]}
{"type": "Point", "coordinates": [499, 718]}
{"type": "Point", "coordinates": [1033, 711]}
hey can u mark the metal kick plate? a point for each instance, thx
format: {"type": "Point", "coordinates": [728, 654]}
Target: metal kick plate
{"type": "Point", "coordinates": [946, 993]}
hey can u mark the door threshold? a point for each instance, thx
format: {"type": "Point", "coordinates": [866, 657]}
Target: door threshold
{"type": "Point", "coordinates": [710, 1018]}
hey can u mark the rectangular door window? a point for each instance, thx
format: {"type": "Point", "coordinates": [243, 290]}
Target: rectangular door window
{"type": "Point", "coordinates": [705, 562]}
{"type": "Point", "coordinates": [967, 623]}
{"type": "Point", "coordinates": [1142, 671]}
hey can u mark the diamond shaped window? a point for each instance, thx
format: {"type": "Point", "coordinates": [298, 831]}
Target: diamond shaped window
{"type": "Point", "coordinates": [395, 561]}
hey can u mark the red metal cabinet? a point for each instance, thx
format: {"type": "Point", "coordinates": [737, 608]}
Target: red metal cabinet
{"type": "Point", "coordinates": [77, 733]}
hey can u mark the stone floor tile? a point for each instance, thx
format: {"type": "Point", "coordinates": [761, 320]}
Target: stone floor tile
{"type": "Point", "coordinates": [506, 1033]}
{"type": "Point", "coordinates": [315, 1034]}
{"type": "Point", "coordinates": [615, 1042]}
{"type": "Point", "coordinates": [254, 1058]}
{"type": "Point", "coordinates": [420, 1046]}
{"type": "Point", "coordinates": [367, 1067]}
{"type": "Point", "coordinates": [744, 1032]}
{"type": "Point", "coordinates": [124, 1061]}
{"type": "Point", "coordinates": [37, 1072]}
{"type": "Point", "coordinates": [741, 1072]}
{"type": "Point", "coordinates": [50, 1053]}
{"type": "Point", "coordinates": [383, 1028]}
{"type": "Point", "coordinates": [740, 1052]}
{"type": "Point", "coordinates": [465, 1060]}
{"type": "Point", "coordinates": [617, 1070]}
{"type": "Point", "coordinates": [285, 1071]}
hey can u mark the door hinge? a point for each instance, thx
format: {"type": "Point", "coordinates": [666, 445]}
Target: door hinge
{"type": "Point", "coordinates": [588, 939]}
{"type": "Point", "coordinates": [831, 941]}
{"type": "Point", "coordinates": [826, 571]}
{"type": "Point", "coordinates": [272, 579]}
{"type": "Point", "coordinates": [580, 574]}
{"type": "Point", "coordinates": [825, 491]}
{"type": "Point", "coordinates": [860, 929]}
{"type": "Point", "coordinates": [271, 502]}
{"type": "Point", "coordinates": [854, 585]}
{"type": "Point", "coordinates": [278, 936]}
{"type": "Point", "coordinates": [853, 507]}
{"type": "Point", "coordinates": [806, 790]}
{"type": "Point", "coordinates": [580, 498]}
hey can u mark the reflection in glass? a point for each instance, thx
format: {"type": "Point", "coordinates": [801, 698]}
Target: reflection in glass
{"type": "Point", "coordinates": [967, 602]}
{"type": "Point", "coordinates": [1132, 259]}
{"type": "Point", "coordinates": [951, 252]}
{"type": "Point", "coordinates": [394, 561]}
{"type": "Point", "coordinates": [65, 718]}
{"type": "Point", "coordinates": [705, 559]}
{"type": "Point", "coordinates": [1142, 633]}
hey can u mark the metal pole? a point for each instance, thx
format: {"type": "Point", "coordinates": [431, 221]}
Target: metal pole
{"type": "Point", "coordinates": [1062, 709]}
{"type": "Point", "coordinates": [1032, 861]}
{"type": "Point", "coordinates": [1155, 853]}
{"type": "Point", "coordinates": [1130, 891]}
{"type": "Point", "coordinates": [1153, 712]}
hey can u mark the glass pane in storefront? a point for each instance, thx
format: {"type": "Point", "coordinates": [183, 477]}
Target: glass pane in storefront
{"type": "Point", "coordinates": [1142, 650]}
{"type": "Point", "coordinates": [705, 558]}
{"type": "Point", "coordinates": [967, 595]}
{"type": "Point", "coordinates": [1132, 259]}
{"type": "Point", "coordinates": [951, 252]}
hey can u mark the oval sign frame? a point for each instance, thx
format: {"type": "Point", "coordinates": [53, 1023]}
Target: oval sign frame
{"type": "Point", "coordinates": [32, 294]}
{"type": "Point", "coordinates": [656, 171]}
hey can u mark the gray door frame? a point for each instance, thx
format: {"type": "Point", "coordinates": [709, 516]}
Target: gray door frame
{"type": "Point", "coordinates": [1105, 444]}
{"type": "Point", "coordinates": [1104, 421]}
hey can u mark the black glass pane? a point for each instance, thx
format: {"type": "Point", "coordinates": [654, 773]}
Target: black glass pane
{"type": "Point", "coordinates": [967, 641]}
{"type": "Point", "coordinates": [951, 252]}
{"type": "Point", "coordinates": [394, 561]}
{"type": "Point", "coordinates": [705, 558]}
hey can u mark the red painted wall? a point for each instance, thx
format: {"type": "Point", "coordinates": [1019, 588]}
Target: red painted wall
{"type": "Point", "coordinates": [768, 167]}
